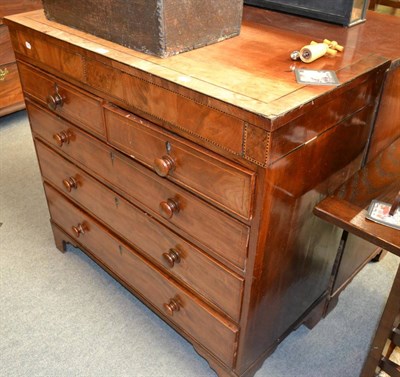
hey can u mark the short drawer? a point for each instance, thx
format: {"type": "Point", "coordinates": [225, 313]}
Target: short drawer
{"type": "Point", "coordinates": [80, 107]}
{"type": "Point", "coordinates": [184, 261]}
{"type": "Point", "coordinates": [228, 185]}
{"type": "Point", "coordinates": [211, 227]}
{"type": "Point", "coordinates": [191, 315]}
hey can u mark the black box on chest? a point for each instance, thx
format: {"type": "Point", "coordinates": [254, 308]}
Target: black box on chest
{"type": "Point", "coordinates": [158, 27]}
{"type": "Point", "coordinates": [344, 12]}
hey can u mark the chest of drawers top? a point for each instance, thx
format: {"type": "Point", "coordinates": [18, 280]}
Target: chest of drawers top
{"type": "Point", "coordinates": [243, 88]}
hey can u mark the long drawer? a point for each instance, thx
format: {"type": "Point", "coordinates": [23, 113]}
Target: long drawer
{"type": "Point", "coordinates": [165, 248]}
{"type": "Point", "coordinates": [221, 233]}
{"type": "Point", "coordinates": [80, 107]}
{"type": "Point", "coordinates": [188, 313]}
{"type": "Point", "coordinates": [228, 185]}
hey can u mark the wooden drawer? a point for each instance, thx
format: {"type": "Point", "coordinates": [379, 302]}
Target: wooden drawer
{"type": "Point", "coordinates": [80, 107]}
{"type": "Point", "coordinates": [192, 266]}
{"type": "Point", "coordinates": [194, 318]}
{"type": "Point", "coordinates": [224, 235]}
{"type": "Point", "coordinates": [37, 47]}
{"type": "Point", "coordinates": [229, 185]}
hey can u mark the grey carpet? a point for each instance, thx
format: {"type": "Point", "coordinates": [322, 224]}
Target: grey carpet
{"type": "Point", "coordinates": [62, 316]}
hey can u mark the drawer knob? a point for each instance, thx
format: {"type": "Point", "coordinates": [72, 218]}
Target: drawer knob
{"type": "Point", "coordinates": [164, 165]}
{"type": "Point", "coordinates": [172, 257]}
{"type": "Point", "coordinates": [70, 183]}
{"type": "Point", "coordinates": [169, 207]}
{"type": "Point", "coordinates": [63, 137]}
{"type": "Point", "coordinates": [172, 306]}
{"type": "Point", "coordinates": [79, 229]}
{"type": "Point", "coordinates": [54, 101]}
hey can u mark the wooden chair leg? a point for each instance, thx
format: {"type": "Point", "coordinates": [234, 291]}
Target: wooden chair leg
{"type": "Point", "coordinates": [384, 332]}
{"type": "Point", "coordinates": [372, 5]}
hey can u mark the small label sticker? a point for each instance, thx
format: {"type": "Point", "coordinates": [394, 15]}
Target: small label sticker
{"type": "Point", "coordinates": [28, 45]}
{"type": "Point", "coordinates": [379, 213]}
{"type": "Point", "coordinates": [184, 78]}
{"type": "Point", "coordinates": [101, 50]}
{"type": "Point", "coordinates": [316, 77]}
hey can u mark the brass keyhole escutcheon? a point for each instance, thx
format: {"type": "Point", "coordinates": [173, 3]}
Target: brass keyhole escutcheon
{"type": "Point", "coordinates": [3, 73]}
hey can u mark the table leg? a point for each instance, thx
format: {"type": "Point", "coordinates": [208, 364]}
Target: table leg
{"type": "Point", "coordinates": [384, 330]}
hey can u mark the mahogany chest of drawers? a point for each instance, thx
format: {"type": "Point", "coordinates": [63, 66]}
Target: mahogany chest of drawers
{"type": "Point", "coordinates": [192, 179]}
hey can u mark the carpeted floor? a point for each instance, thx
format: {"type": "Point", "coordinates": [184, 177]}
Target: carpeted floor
{"type": "Point", "coordinates": [62, 316]}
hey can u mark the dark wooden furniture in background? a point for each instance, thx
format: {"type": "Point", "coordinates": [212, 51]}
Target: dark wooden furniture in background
{"type": "Point", "coordinates": [192, 179]}
{"type": "Point", "coordinates": [394, 4]}
{"type": "Point", "coordinates": [11, 97]}
{"type": "Point", "coordinates": [343, 12]}
{"type": "Point", "coordinates": [379, 179]}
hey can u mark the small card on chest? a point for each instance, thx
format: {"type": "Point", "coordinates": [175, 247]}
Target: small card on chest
{"type": "Point", "coordinates": [379, 213]}
{"type": "Point", "coordinates": [316, 77]}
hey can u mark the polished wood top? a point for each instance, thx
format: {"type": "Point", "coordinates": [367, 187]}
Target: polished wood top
{"type": "Point", "coordinates": [251, 71]}
{"type": "Point", "coordinates": [378, 35]}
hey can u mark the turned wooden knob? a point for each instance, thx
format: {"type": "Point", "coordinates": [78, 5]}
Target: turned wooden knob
{"type": "Point", "coordinates": [62, 138]}
{"type": "Point", "coordinates": [79, 229]}
{"type": "Point", "coordinates": [172, 257]}
{"type": "Point", "coordinates": [54, 101]}
{"type": "Point", "coordinates": [164, 165]}
{"type": "Point", "coordinates": [169, 207]}
{"type": "Point", "coordinates": [70, 183]}
{"type": "Point", "coordinates": [171, 307]}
